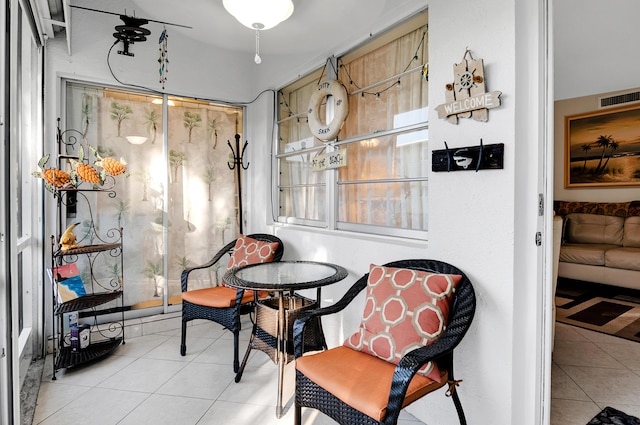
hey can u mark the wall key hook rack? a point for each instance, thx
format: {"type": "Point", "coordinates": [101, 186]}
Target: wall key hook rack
{"type": "Point", "coordinates": [480, 157]}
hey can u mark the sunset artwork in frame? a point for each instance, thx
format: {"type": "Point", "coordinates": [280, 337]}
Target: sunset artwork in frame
{"type": "Point", "coordinates": [602, 148]}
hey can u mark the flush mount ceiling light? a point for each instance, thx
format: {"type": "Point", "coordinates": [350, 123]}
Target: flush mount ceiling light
{"type": "Point", "coordinates": [259, 15]}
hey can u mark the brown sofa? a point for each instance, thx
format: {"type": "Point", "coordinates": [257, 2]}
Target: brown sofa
{"type": "Point", "coordinates": [600, 242]}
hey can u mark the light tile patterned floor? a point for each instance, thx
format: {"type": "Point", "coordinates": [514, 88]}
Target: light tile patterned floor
{"type": "Point", "coordinates": [146, 381]}
{"type": "Point", "coordinates": [591, 371]}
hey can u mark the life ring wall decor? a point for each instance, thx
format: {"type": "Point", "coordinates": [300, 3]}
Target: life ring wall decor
{"type": "Point", "coordinates": [328, 131]}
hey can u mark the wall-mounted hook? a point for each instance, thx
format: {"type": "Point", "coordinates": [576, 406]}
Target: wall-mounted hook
{"type": "Point", "coordinates": [480, 157]}
{"type": "Point", "coordinates": [448, 156]}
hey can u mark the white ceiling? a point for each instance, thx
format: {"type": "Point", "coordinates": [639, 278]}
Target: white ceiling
{"type": "Point", "coordinates": [336, 20]}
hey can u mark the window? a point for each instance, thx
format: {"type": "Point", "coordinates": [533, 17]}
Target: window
{"type": "Point", "coordinates": [383, 187]}
{"type": "Point", "coordinates": [303, 193]}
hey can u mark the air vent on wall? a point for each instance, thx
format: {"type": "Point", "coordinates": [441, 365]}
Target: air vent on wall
{"type": "Point", "coordinates": [620, 99]}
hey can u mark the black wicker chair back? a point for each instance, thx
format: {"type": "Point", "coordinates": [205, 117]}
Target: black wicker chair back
{"type": "Point", "coordinates": [227, 317]}
{"type": "Point", "coordinates": [309, 394]}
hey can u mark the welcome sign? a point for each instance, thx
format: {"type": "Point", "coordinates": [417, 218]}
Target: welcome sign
{"type": "Point", "coordinates": [467, 96]}
{"type": "Point", "coordinates": [473, 103]}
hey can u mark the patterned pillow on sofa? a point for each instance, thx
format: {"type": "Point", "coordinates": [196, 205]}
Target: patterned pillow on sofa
{"type": "Point", "coordinates": [405, 309]}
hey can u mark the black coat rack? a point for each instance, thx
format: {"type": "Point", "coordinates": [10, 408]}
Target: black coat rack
{"type": "Point", "coordinates": [238, 165]}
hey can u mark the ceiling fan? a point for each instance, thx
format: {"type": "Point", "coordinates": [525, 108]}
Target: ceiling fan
{"type": "Point", "coordinates": [132, 30]}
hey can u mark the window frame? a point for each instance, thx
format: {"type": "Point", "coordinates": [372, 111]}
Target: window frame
{"type": "Point", "coordinates": [376, 229]}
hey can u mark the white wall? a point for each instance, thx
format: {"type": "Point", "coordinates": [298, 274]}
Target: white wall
{"type": "Point", "coordinates": [471, 214]}
{"type": "Point", "coordinates": [594, 44]}
{"type": "Point", "coordinates": [478, 221]}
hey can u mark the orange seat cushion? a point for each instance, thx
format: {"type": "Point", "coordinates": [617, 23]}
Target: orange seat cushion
{"type": "Point", "coordinates": [361, 380]}
{"type": "Point", "coordinates": [218, 297]}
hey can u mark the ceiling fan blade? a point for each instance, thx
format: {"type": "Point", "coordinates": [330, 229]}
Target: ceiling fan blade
{"type": "Point", "coordinates": [121, 15]}
{"type": "Point", "coordinates": [169, 23]}
{"type": "Point", "coordinates": [94, 10]}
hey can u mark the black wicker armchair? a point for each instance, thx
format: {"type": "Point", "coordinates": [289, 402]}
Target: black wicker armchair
{"type": "Point", "coordinates": [221, 304]}
{"type": "Point", "coordinates": [398, 385]}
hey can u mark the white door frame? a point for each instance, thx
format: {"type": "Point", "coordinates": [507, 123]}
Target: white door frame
{"type": "Point", "coordinates": [6, 366]}
{"type": "Point", "coordinates": [21, 247]}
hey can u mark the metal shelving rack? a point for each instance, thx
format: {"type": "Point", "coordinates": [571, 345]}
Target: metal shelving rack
{"type": "Point", "coordinates": [92, 251]}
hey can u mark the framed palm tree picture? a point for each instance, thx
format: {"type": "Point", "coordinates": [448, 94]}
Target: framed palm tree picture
{"type": "Point", "coordinates": [602, 148]}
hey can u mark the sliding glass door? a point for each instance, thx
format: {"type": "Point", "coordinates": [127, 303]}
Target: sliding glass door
{"type": "Point", "coordinates": [177, 202]}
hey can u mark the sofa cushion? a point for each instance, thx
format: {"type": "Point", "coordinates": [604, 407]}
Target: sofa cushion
{"type": "Point", "coordinates": [594, 228]}
{"type": "Point", "coordinates": [631, 236]}
{"type": "Point", "coordinates": [619, 209]}
{"type": "Point", "coordinates": [590, 254]}
{"type": "Point", "coordinates": [623, 258]}
{"type": "Point", "coordinates": [634, 208]}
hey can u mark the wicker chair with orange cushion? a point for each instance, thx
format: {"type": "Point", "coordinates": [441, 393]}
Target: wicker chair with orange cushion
{"type": "Point", "coordinates": [416, 313]}
{"type": "Point", "coordinates": [223, 304]}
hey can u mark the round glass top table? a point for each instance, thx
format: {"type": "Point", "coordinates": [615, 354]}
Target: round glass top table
{"type": "Point", "coordinates": [285, 275]}
{"type": "Point", "coordinates": [281, 277]}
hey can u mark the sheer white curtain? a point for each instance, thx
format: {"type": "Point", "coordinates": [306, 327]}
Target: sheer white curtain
{"type": "Point", "coordinates": [384, 183]}
{"type": "Point", "coordinates": [178, 205]}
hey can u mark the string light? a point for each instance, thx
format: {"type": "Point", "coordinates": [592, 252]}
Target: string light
{"type": "Point", "coordinates": [396, 83]}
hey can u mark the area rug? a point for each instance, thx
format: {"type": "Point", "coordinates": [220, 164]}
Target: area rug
{"type": "Point", "coordinates": [611, 416]}
{"type": "Point", "coordinates": [606, 309]}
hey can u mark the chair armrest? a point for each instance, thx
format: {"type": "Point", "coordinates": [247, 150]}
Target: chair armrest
{"type": "Point", "coordinates": [185, 273]}
{"type": "Point", "coordinates": [441, 350]}
{"type": "Point", "coordinates": [408, 367]}
{"type": "Point", "coordinates": [304, 317]}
